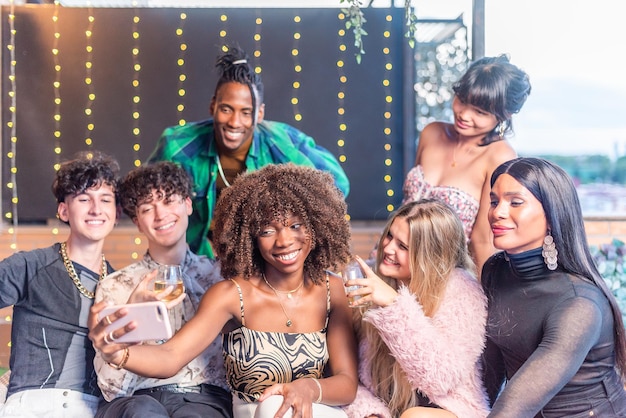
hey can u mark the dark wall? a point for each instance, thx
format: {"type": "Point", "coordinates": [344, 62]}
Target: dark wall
{"type": "Point", "coordinates": [112, 72]}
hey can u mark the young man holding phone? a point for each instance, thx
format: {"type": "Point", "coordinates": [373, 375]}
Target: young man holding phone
{"type": "Point", "coordinates": [157, 197]}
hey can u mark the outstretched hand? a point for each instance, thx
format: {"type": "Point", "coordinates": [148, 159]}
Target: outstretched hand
{"type": "Point", "coordinates": [144, 292]}
{"type": "Point", "coordinates": [104, 340]}
{"type": "Point", "coordinates": [297, 395]}
{"type": "Point", "coordinates": [373, 290]}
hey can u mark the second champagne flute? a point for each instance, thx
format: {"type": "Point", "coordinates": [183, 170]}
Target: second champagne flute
{"type": "Point", "coordinates": [169, 275]}
{"type": "Point", "coordinates": [352, 270]}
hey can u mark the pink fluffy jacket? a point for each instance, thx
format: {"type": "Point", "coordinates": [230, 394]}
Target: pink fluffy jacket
{"type": "Point", "coordinates": [440, 355]}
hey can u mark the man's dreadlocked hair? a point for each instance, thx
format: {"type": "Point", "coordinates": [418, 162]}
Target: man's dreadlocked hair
{"type": "Point", "coordinates": [235, 68]}
{"type": "Point", "coordinates": [275, 192]}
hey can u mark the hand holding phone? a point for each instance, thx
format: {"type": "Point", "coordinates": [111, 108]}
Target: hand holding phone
{"type": "Point", "coordinates": [151, 318]}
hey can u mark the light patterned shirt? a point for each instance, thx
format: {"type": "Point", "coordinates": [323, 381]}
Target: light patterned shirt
{"type": "Point", "coordinates": [199, 273]}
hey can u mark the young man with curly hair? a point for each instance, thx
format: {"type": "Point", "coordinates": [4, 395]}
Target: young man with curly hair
{"type": "Point", "coordinates": [51, 290]}
{"type": "Point", "coordinates": [157, 197]}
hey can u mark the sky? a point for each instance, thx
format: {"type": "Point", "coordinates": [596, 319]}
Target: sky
{"type": "Point", "coordinates": [573, 53]}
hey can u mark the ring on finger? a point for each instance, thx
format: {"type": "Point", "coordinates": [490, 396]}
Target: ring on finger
{"type": "Point", "coordinates": [111, 337]}
{"type": "Point", "coordinates": [107, 320]}
{"type": "Point", "coordinates": [106, 339]}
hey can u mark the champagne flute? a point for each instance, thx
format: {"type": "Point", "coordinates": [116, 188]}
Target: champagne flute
{"type": "Point", "coordinates": [352, 270]}
{"type": "Point", "coordinates": [169, 275]}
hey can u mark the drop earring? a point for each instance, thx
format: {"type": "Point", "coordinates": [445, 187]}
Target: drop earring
{"type": "Point", "coordinates": [501, 128]}
{"type": "Point", "coordinates": [549, 252]}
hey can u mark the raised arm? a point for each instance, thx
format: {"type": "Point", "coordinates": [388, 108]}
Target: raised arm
{"type": "Point", "coordinates": [219, 305]}
{"type": "Point", "coordinates": [481, 240]}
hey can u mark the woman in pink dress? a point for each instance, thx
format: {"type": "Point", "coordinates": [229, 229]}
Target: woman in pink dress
{"type": "Point", "coordinates": [454, 161]}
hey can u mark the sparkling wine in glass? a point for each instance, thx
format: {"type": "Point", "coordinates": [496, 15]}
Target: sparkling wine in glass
{"type": "Point", "coordinates": [169, 275]}
{"type": "Point", "coordinates": [352, 270]}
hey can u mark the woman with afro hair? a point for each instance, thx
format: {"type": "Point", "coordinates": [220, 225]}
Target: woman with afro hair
{"type": "Point", "coordinates": [289, 345]}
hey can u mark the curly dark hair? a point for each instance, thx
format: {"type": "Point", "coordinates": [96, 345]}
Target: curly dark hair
{"type": "Point", "coordinates": [86, 170]}
{"type": "Point", "coordinates": [235, 68]}
{"type": "Point", "coordinates": [166, 177]}
{"type": "Point", "coordinates": [273, 193]}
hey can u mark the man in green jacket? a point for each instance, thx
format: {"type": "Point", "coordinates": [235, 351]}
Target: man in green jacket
{"type": "Point", "coordinates": [237, 139]}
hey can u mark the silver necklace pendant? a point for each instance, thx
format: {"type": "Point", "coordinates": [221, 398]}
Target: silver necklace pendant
{"type": "Point", "coordinates": [288, 323]}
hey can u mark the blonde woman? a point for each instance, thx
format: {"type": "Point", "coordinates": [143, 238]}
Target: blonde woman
{"type": "Point", "coordinates": [424, 331]}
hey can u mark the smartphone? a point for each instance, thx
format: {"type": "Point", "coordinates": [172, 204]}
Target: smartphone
{"type": "Point", "coordinates": [153, 322]}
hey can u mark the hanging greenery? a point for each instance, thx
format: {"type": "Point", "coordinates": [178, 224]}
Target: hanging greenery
{"type": "Point", "coordinates": [355, 20]}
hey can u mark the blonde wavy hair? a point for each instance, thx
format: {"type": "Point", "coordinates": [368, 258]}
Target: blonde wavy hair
{"type": "Point", "coordinates": [437, 245]}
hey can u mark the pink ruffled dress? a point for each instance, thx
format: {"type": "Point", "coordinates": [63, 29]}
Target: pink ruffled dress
{"type": "Point", "coordinates": [416, 188]}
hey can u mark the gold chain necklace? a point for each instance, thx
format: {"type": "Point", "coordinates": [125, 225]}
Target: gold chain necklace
{"type": "Point", "coordinates": [72, 272]}
{"type": "Point", "coordinates": [288, 292]}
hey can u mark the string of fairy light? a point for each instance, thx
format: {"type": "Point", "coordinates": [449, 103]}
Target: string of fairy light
{"type": "Point", "coordinates": [11, 124]}
{"type": "Point", "coordinates": [136, 88]}
{"type": "Point", "coordinates": [135, 102]}
{"type": "Point", "coordinates": [256, 52]}
{"type": "Point", "coordinates": [341, 93]}
{"type": "Point", "coordinates": [56, 84]}
{"type": "Point", "coordinates": [388, 97]}
{"type": "Point", "coordinates": [11, 215]}
{"type": "Point", "coordinates": [297, 69]}
{"type": "Point", "coordinates": [387, 115]}
{"type": "Point", "coordinates": [56, 89]}
{"type": "Point", "coordinates": [91, 94]}
{"type": "Point", "coordinates": [223, 32]}
{"type": "Point", "coordinates": [180, 62]}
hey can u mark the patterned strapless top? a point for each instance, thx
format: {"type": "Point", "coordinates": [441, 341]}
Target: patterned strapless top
{"type": "Point", "coordinates": [465, 205]}
{"type": "Point", "coordinates": [255, 360]}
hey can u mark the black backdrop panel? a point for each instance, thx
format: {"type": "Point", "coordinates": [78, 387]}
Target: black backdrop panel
{"type": "Point", "coordinates": [159, 47]}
